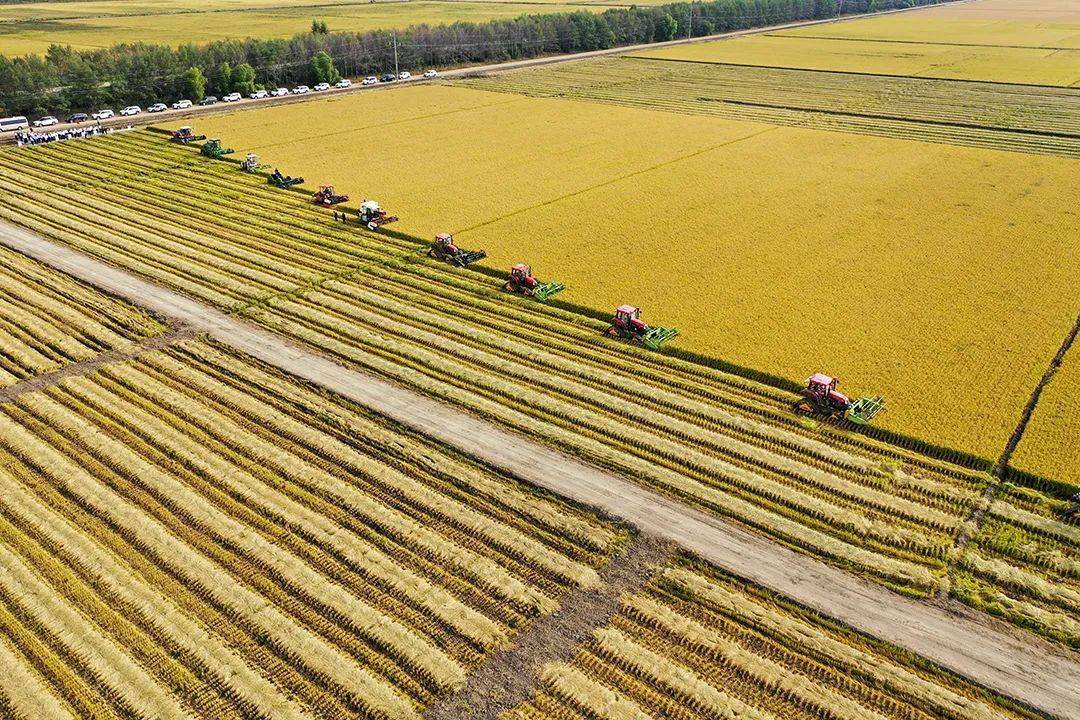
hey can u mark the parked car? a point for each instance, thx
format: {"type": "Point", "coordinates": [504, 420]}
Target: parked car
{"type": "Point", "coordinates": [131, 110]}
{"type": "Point", "coordinates": [430, 74]}
{"type": "Point", "coordinates": [46, 121]}
{"type": "Point", "coordinates": [404, 75]}
{"type": "Point", "coordinates": [77, 118]}
{"type": "Point", "coordinates": [322, 86]}
{"type": "Point", "coordinates": [369, 80]}
{"type": "Point", "coordinates": [300, 89]}
{"type": "Point", "coordinates": [208, 100]}
{"type": "Point", "coordinates": [258, 95]}
{"type": "Point", "coordinates": [279, 92]}
{"type": "Point", "coordinates": [343, 83]}
{"type": "Point", "coordinates": [157, 107]}
{"type": "Point", "coordinates": [388, 77]}
{"type": "Point", "coordinates": [104, 114]}
{"type": "Point", "coordinates": [232, 97]}
{"type": "Point", "coordinates": [181, 105]}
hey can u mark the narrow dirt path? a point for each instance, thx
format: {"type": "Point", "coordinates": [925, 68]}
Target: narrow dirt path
{"type": "Point", "coordinates": [40, 382]}
{"type": "Point", "coordinates": [512, 676]}
{"type": "Point", "coordinates": [1016, 664]}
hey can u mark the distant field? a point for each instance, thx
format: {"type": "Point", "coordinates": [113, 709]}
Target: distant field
{"type": "Point", "coordinates": [1050, 446]}
{"type": "Point", "coordinates": [26, 29]}
{"type": "Point", "coordinates": [781, 249]}
{"type": "Point", "coordinates": [1029, 42]}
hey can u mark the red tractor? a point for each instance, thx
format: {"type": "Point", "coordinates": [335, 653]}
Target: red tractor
{"type": "Point", "coordinates": [521, 281]}
{"type": "Point", "coordinates": [444, 248]}
{"type": "Point", "coordinates": [627, 324]}
{"type": "Point", "coordinates": [186, 135]}
{"type": "Point", "coordinates": [820, 397]}
{"type": "Point", "coordinates": [327, 197]}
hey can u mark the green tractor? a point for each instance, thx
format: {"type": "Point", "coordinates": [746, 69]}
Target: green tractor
{"type": "Point", "coordinates": [212, 149]}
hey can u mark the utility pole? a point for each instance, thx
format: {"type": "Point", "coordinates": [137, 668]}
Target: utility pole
{"type": "Point", "coordinates": [394, 35]}
{"type": "Point", "coordinates": [689, 20]}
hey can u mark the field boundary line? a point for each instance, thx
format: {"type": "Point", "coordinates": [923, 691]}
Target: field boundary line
{"type": "Point", "coordinates": [129, 352]}
{"type": "Point", "coordinates": [1009, 661]}
{"type": "Point", "coordinates": [515, 671]}
{"type": "Point", "coordinates": [919, 42]}
{"type": "Point", "coordinates": [928, 78]}
{"type": "Point", "coordinates": [998, 475]}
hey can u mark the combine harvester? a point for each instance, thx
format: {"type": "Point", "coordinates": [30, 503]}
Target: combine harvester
{"type": "Point", "coordinates": [283, 181]}
{"type": "Point", "coordinates": [628, 325]}
{"type": "Point", "coordinates": [212, 148]}
{"type": "Point", "coordinates": [327, 197]}
{"type": "Point", "coordinates": [373, 216]}
{"type": "Point", "coordinates": [443, 248]}
{"type": "Point", "coordinates": [820, 397]}
{"type": "Point", "coordinates": [521, 281]}
{"type": "Point", "coordinates": [186, 135]}
{"type": "Point", "coordinates": [251, 164]}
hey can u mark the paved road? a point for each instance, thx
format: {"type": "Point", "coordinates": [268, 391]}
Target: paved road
{"type": "Point", "coordinates": [1020, 666]}
{"type": "Point", "coordinates": [170, 116]}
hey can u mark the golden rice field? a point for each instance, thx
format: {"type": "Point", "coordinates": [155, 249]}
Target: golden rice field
{"type": "Point", "coordinates": [48, 321]}
{"type": "Point", "coordinates": [781, 249]}
{"type": "Point", "coordinates": [32, 28]}
{"type": "Point", "coordinates": [1049, 447]}
{"type": "Point", "coordinates": [188, 535]}
{"type": "Point", "coordinates": [695, 644]}
{"type": "Point", "coordinates": [1033, 41]}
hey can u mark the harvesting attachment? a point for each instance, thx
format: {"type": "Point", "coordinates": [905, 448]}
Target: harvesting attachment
{"type": "Point", "coordinates": [186, 135]}
{"type": "Point", "coordinates": [327, 197]}
{"type": "Point", "coordinates": [251, 164]}
{"type": "Point", "coordinates": [1073, 512]}
{"type": "Point", "coordinates": [443, 248]}
{"type": "Point", "coordinates": [212, 148]}
{"type": "Point", "coordinates": [820, 397]}
{"type": "Point", "coordinates": [373, 216]}
{"type": "Point", "coordinates": [283, 181]}
{"type": "Point", "coordinates": [521, 281]}
{"type": "Point", "coordinates": [628, 325]}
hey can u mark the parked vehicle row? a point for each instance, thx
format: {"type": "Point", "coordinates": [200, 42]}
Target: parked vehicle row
{"type": "Point", "coordinates": [20, 122]}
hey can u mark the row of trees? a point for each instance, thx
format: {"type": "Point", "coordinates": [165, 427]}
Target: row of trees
{"type": "Point", "coordinates": [66, 80]}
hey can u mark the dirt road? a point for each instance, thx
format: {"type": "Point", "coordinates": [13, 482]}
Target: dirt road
{"type": "Point", "coordinates": [1017, 665]}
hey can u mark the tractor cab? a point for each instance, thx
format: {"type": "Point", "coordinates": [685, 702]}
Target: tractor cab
{"type": "Point", "coordinates": [522, 274]}
{"type": "Point", "coordinates": [823, 387]}
{"type": "Point", "coordinates": [629, 316]}
{"type": "Point", "coordinates": [445, 243]}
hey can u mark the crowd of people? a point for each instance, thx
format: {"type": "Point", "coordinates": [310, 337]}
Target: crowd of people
{"type": "Point", "coordinates": [34, 137]}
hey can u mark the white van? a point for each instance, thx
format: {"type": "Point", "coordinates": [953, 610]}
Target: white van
{"type": "Point", "coordinates": [17, 122]}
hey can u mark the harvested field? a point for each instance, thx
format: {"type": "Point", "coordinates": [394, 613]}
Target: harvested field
{"type": "Point", "coordinates": [1034, 42]}
{"type": "Point", "coordinates": [728, 445]}
{"type": "Point", "coordinates": [727, 215]}
{"type": "Point", "coordinates": [697, 644]}
{"type": "Point", "coordinates": [189, 535]}
{"type": "Point", "coordinates": [48, 321]}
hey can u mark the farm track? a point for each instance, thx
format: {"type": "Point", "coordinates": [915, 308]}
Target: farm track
{"type": "Point", "coordinates": [1018, 118]}
{"type": "Point", "coordinates": [1022, 668]}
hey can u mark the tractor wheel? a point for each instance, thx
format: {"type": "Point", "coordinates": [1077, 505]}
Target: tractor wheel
{"type": "Point", "coordinates": [508, 287]}
{"type": "Point", "coordinates": [372, 226]}
{"type": "Point", "coordinates": [803, 407]}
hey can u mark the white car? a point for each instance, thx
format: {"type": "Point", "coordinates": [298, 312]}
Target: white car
{"type": "Point", "coordinates": [157, 107]}
{"type": "Point", "coordinates": [104, 114]}
{"type": "Point", "coordinates": [343, 83]}
{"type": "Point", "coordinates": [131, 110]}
{"type": "Point", "coordinates": [232, 97]}
{"type": "Point", "coordinates": [370, 80]}
{"type": "Point", "coordinates": [258, 95]}
{"type": "Point", "coordinates": [404, 75]}
{"type": "Point", "coordinates": [300, 89]}
{"type": "Point", "coordinates": [430, 74]}
{"type": "Point", "coordinates": [322, 86]}
{"type": "Point", "coordinates": [279, 92]}
{"type": "Point", "coordinates": [46, 121]}
{"type": "Point", "coordinates": [181, 105]}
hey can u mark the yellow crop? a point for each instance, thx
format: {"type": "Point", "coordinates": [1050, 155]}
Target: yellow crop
{"type": "Point", "coordinates": [1049, 446]}
{"type": "Point", "coordinates": [1035, 41]}
{"type": "Point", "coordinates": [935, 275]}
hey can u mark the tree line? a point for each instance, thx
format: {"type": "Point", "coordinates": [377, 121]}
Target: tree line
{"type": "Point", "coordinates": [67, 80]}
